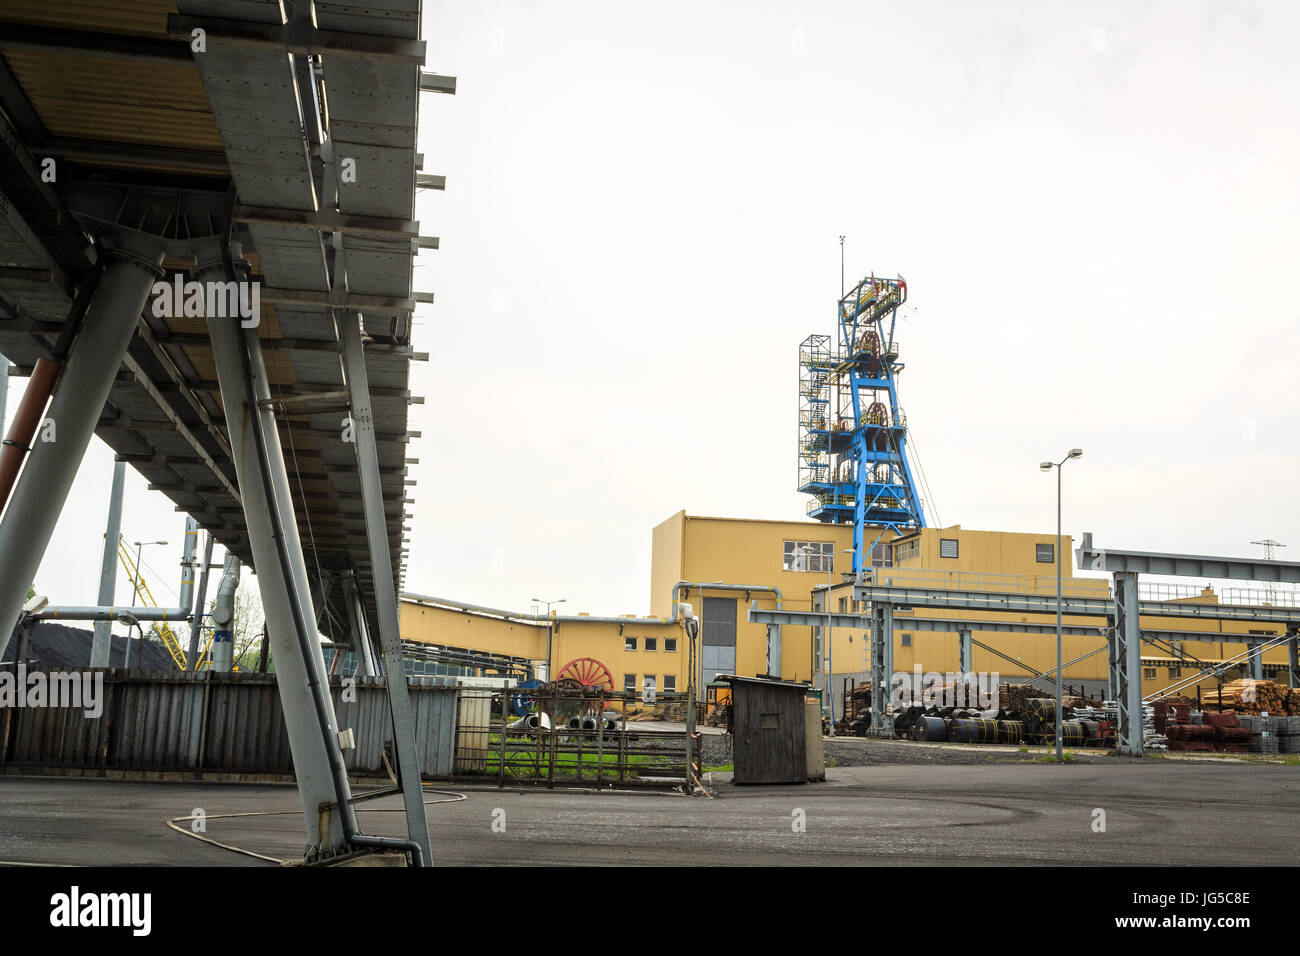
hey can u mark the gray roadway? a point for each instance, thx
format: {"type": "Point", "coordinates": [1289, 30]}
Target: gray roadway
{"type": "Point", "coordinates": [1157, 812]}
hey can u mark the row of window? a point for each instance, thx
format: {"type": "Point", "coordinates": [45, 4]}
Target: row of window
{"type": "Point", "coordinates": [651, 644]}
{"type": "Point", "coordinates": [1149, 673]}
{"type": "Point", "coordinates": [633, 686]}
{"type": "Point", "coordinates": [819, 556]}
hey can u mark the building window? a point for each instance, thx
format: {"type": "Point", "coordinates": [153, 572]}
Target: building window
{"type": "Point", "coordinates": [1148, 673]}
{"type": "Point", "coordinates": [629, 683]}
{"type": "Point", "coordinates": [947, 547]}
{"type": "Point", "coordinates": [629, 643]}
{"type": "Point", "coordinates": [1175, 673]}
{"type": "Point", "coordinates": [670, 683]}
{"type": "Point", "coordinates": [1045, 553]}
{"type": "Point", "coordinates": [670, 645]}
{"type": "Point", "coordinates": [652, 643]}
{"type": "Point", "coordinates": [907, 550]}
{"type": "Point", "coordinates": [808, 556]}
{"type": "Point", "coordinates": [906, 640]}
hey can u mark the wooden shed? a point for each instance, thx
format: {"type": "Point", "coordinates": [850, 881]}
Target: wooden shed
{"type": "Point", "coordinates": [768, 729]}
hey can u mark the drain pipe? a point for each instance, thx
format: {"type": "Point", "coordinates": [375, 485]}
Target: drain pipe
{"type": "Point", "coordinates": [223, 617]}
{"type": "Point", "coordinates": [69, 612]}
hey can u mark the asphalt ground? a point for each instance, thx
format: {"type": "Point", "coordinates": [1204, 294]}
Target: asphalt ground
{"type": "Point", "coordinates": [1156, 812]}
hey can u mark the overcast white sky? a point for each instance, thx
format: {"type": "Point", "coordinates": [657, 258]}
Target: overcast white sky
{"type": "Point", "coordinates": [1095, 206]}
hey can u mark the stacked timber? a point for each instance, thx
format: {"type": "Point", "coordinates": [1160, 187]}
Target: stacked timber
{"type": "Point", "coordinates": [1013, 696]}
{"type": "Point", "coordinates": [1247, 696]}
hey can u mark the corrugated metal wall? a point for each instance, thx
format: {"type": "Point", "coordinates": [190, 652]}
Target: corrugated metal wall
{"type": "Point", "coordinates": [218, 723]}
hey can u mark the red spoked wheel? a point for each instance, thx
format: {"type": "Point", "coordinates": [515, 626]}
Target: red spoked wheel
{"type": "Point", "coordinates": [590, 673]}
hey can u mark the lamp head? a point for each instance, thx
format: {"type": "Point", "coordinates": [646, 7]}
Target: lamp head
{"type": "Point", "coordinates": [1076, 452]}
{"type": "Point", "coordinates": [1045, 466]}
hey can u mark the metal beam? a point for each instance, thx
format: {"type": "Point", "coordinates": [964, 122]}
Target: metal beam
{"type": "Point", "coordinates": [101, 643]}
{"type": "Point", "coordinates": [100, 152]}
{"type": "Point", "coordinates": [299, 37]}
{"type": "Point", "coordinates": [381, 576]}
{"type": "Point", "coordinates": [329, 220]}
{"type": "Point", "coordinates": [1187, 565]}
{"type": "Point", "coordinates": [1071, 605]}
{"type": "Point", "coordinates": [759, 615]}
{"type": "Point", "coordinates": [116, 46]}
{"type": "Point", "coordinates": [436, 83]}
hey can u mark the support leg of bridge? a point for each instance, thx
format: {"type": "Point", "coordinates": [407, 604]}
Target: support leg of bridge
{"type": "Point", "coordinates": [385, 588]}
{"type": "Point", "coordinates": [295, 675]}
{"type": "Point", "coordinates": [83, 389]}
{"type": "Point", "coordinates": [102, 640]}
{"type": "Point", "coordinates": [1256, 661]}
{"type": "Point", "coordinates": [1128, 652]}
{"type": "Point", "coordinates": [357, 629]}
{"type": "Point", "coordinates": [964, 665]}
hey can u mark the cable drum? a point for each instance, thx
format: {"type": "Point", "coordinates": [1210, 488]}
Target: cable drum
{"type": "Point", "coordinates": [930, 728]}
{"type": "Point", "coordinates": [1039, 715]}
{"type": "Point", "coordinates": [1011, 731]}
{"type": "Point", "coordinates": [1073, 733]}
{"type": "Point", "coordinates": [973, 730]}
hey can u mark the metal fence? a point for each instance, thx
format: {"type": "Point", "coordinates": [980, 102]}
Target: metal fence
{"type": "Point", "coordinates": [574, 738]}
{"type": "Point", "coordinates": [217, 723]}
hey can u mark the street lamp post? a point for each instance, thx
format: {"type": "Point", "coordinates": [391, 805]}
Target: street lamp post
{"type": "Point", "coordinates": [549, 675]}
{"type": "Point", "coordinates": [1060, 671]}
{"type": "Point", "coordinates": [139, 547]}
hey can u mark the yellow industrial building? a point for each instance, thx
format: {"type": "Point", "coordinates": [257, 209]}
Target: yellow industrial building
{"type": "Point", "coordinates": [723, 565]}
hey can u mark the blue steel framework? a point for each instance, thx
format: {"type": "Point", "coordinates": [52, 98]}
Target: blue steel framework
{"type": "Point", "coordinates": [852, 435]}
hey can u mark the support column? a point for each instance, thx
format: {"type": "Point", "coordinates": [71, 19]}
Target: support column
{"type": "Point", "coordinates": [358, 631]}
{"type": "Point", "coordinates": [1293, 659]}
{"type": "Point", "coordinates": [882, 669]}
{"type": "Point", "coordinates": [381, 569]}
{"type": "Point", "coordinates": [1112, 661]}
{"type": "Point", "coordinates": [200, 607]}
{"type": "Point", "coordinates": [87, 379]}
{"type": "Point", "coordinates": [1128, 653]}
{"type": "Point", "coordinates": [774, 650]}
{"type": "Point", "coordinates": [1256, 661]}
{"type": "Point", "coordinates": [100, 644]}
{"type": "Point", "coordinates": [964, 652]}
{"type": "Point", "coordinates": [295, 674]}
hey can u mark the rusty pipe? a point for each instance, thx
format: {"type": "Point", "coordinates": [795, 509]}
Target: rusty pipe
{"type": "Point", "coordinates": [26, 420]}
